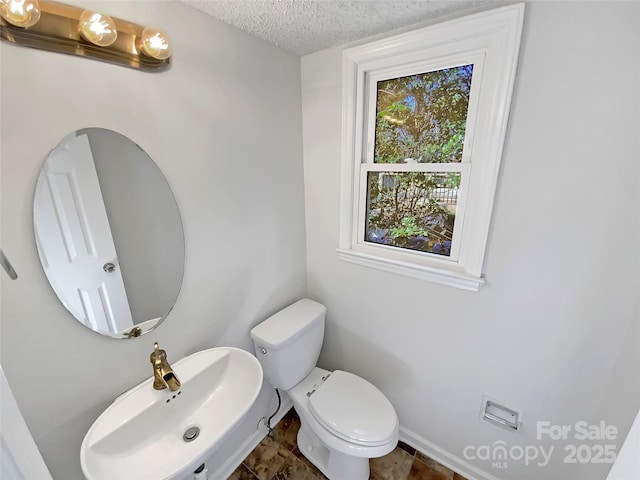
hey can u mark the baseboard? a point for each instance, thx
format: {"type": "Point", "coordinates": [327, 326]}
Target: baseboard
{"type": "Point", "coordinates": [228, 467]}
{"type": "Point", "coordinates": [443, 457]}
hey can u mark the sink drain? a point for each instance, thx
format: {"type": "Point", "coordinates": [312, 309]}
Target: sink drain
{"type": "Point", "coordinates": [191, 434]}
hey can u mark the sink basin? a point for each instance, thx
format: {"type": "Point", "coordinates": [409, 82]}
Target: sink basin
{"type": "Point", "coordinates": [140, 435]}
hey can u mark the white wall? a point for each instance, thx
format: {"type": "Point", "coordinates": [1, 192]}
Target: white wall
{"type": "Point", "coordinates": [223, 125]}
{"type": "Point", "coordinates": [553, 332]}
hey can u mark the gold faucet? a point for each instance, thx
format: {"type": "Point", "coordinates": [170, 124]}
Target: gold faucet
{"type": "Point", "coordinates": [163, 374]}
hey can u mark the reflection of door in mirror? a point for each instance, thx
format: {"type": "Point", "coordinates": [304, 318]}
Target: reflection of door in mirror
{"type": "Point", "coordinates": [99, 193]}
{"type": "Point", "coordinates": [75, 242]}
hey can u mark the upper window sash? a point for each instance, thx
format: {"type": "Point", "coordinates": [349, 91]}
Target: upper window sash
{"type": "Point", "coordinates": [366, 136]}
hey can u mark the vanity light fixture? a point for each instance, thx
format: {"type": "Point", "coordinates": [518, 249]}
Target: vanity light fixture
{"type": "Point", "coordinates": [57, 27]}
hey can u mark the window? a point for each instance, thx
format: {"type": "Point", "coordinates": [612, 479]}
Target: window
{"type": "Point", "coordinates": [424, 119]}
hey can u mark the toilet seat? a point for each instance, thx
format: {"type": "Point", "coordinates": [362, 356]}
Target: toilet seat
{"type": "Point", "coordinates": [354, 410]}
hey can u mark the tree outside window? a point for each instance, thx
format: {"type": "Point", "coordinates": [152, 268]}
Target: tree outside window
{"type": "Point", "coordinates": [420, 119]}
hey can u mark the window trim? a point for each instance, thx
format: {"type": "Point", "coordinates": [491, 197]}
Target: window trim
{"type": "Point", "coordinates": [494, 36]}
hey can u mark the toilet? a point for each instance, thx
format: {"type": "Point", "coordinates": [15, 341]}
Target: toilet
{"type": "Point", "coordinates": [345, 420]}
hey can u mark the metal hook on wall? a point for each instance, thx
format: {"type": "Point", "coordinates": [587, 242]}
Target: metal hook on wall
{"type": "Point", "coordinates": [6, 264]}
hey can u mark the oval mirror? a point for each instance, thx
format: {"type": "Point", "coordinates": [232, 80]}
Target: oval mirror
{"type": "Point", "coordinates": [108, 233]}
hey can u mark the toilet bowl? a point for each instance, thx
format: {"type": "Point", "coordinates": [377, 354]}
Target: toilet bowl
{"type": "Point", "coordinates": [345, 420]}
{"type": "Point", "coordinates": [339, 436]}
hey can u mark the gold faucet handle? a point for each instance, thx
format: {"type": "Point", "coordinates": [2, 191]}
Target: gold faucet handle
{"type": "Point", "coordinates": [158, 355]}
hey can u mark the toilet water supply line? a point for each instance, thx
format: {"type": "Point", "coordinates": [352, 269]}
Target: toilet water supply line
{"type": "Point", "coordinates": [274, 413]}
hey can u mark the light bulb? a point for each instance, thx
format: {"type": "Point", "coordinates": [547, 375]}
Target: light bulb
{"type": "Point", "coordinates": [21, 13]}
{"type": "Point", "coordinates": [97, 28]}
{"type": "Point", "coordinates": [155, 43]}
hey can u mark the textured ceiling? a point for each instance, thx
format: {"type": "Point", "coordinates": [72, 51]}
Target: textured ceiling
{"type": "Point", "coordinates": [306, 26]}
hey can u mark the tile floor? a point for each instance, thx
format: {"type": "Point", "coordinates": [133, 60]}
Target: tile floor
{"type": "Point", "coordinates": [278, 458]}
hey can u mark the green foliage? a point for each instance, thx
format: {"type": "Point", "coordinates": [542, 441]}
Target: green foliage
{"type": "Point", "coordinates": [419, 118]}
{"type": "Point", "coordinates": [423, 117]}
{"type": "Point", "coordinates": [408, 229]}
{"type": "Point", "coordinates": [402, 205]}
{"type": "Point", "coordinates": [451, 180]}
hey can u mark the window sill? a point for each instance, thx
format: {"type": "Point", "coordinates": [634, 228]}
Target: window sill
{"type": "Point", "coordinates": [441, 275]}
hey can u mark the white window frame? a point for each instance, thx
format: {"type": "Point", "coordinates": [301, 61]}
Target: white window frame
{"type": "Point", "coordinates": [491, 41]}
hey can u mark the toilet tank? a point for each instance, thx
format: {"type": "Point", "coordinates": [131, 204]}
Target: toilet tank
{"type": "Point", "coordinates": [288, 343]}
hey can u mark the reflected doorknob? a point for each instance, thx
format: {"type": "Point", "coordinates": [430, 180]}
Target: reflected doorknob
{"type": "Point", "coordinates": [109, 267]}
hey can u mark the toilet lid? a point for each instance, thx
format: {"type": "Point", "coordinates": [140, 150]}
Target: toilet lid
{"type": "Point", "coordinates": [354, 410]}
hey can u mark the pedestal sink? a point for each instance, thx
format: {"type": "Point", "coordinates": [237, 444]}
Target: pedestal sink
{"type": "Point", "coordinates": [159, 434]}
